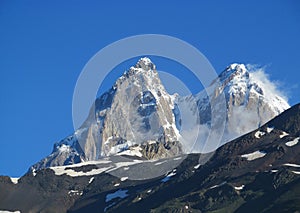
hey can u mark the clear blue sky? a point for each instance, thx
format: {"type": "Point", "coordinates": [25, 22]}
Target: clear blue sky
{"type": "Point", "coordinates": [45, 44]}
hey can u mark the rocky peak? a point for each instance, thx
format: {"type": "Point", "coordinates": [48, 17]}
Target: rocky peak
{"type": "Point", "coordinates": [145, 64]}
{"type": "Point", "coordinates": [251, 99]}
{"type": "Point", "coordinates": [243, 84]}
{"type": "Point", "coordinates": [143, 75]}
{"type": "Point", "coordinates": [140, 111]}
{"type": "Point", "coordinates": [234, 70]}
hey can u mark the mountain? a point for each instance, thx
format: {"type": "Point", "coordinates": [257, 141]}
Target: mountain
{"type": "Point", "coordinates": [251, 100]}
{"type": "Point", "coordinates": [257, 172]}
{"type": "Point", "coordinates": [138, 117]}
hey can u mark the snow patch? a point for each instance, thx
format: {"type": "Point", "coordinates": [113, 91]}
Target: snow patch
{"type": "Point", "coordinates": [239, 187]}
{"type": "Point", "coordinates": [283, 134]}
{"type": "Point", "coordinates": [258, 134]}
{"type": "Point", "coordinates": [218, 185]}
{"type": "Point", "coordinates": [167, 178]}
{"type": "Point", "coordinates": [123, 178]}
{"type": "Point", "coordinates": [14, 180]}
{"type": "Point", "coordinates": [133, 151]}
{"type": "Point", "coordinates": [75, 192]}
{"type": "Point", "coordinates": [64, 148]}
{"type": "Point", "coordinates": [159, 163]}
{"type": "Point", "coordinates": [91, 180]}
{"type": "Point", "coordinates": [197, 166]}
{"type": "Point", "coordinates": [178, 158]}
{"type": "Point", "coordinates": [124, 164]}
{"type": "Point", "coordinates": [292, 165]}
{"type": "Point", "coordinates": [296, 172]}
{"type": "Point", "coordinates": [117, 194]}
{"type": "Point", "coordinates": [254, 155]}
{"type": "Point", "coordinates": [34, 172]}
{"type": "Point", "coordinates": [6, 211]}
{"type": "Point", "coordinates": [118, 149]}
{"type": "Point", "coordinates": [151, 142]}
{"type": "Point", "coordinates": [60, 170]}
{"type": "Point", "coordinates": [270, 129]}
{"type": "Point", "coordinates": [293, 142]}
{"type": "Point", "coordinates": [146, 61]}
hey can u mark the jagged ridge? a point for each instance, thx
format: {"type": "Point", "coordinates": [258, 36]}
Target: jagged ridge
{"type": "Point", "coordinates": [138, 111]}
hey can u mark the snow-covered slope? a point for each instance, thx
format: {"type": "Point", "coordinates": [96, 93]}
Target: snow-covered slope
{"type": "Point", "coordinates": [137, 113]}
{"type": "Point", "coordinates": [251, 100]}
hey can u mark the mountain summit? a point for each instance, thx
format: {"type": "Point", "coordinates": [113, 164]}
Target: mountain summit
{"type": "Point", "coordinates": [251, 99]}
{"type": "Point", "coordinates": [138, 117]}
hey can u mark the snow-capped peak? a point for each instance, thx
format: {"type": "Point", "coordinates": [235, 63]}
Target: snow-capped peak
{"type": "Point", "coordinates": [241, 82]}
{"type": "Point", "coordinates": [145, 63]}
{"type": "Point", "coordinates": [251, 99]}
{"type": "Point", "coordinates": [238, 67]}
{"type": "Point", "coordinates": [233, 70]}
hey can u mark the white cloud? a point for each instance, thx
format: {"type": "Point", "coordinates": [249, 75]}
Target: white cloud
{"type": "Point", "coordinates": [259, 75]}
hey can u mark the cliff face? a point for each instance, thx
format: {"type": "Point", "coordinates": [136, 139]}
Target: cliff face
{"type": "Point", "coordinates": [138, 117]}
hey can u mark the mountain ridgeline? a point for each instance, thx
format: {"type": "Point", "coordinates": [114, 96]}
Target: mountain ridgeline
{"type": "Point", "coordinates": [257, 172]}
{"type": "Point", "coordinates": [137, 152]}
{"type": "Point", "coordinates": [137, 116]}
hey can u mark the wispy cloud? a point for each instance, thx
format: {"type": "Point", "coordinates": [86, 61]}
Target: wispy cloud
{"type": "Point", "coordinates": [259, 75]}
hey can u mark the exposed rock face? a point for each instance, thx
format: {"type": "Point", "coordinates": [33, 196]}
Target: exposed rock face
{"type": "Point", "coordinates": [141, 111]}
{"type": "Point", "coordinates": [159, 150]}
{"type": "Point", "coordinates": [138, 111]}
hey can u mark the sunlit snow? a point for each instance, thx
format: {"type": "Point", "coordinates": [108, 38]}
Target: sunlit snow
{"type": "Point", "coordinates": [167, 178]}
{"type": "Point", "coordinates": [239, 187]}
{"type": "Point", "coordinates": [292, 165]}
{"type": "Point", "coordinates": [258, 134]}
{"type": "Point", "coordinates": [254, 155]}
{"type": "Point", "coordinates": [270, 129]}
{"type": "Point", "coordinates": [14, 180]}
{"type": "Point", "coordinates": [293, 142]}
{"type": "Point", "coordinates": [283, 134]}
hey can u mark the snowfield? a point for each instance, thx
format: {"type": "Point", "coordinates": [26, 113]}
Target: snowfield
{"type": "Point", "coordinates": [292, 165]}
{"type": "Point", "coordinates": [14, 180]}
{"type": "Point", "coordinates": [293, 142]}
{"type": "Point", "coordinates": [254, 155]}
{"type": "Point", "coordinates": [270, 129]}
{"type": "Point", "coordinates": [5, 211]}
{"type": "Point", "coordinates": [283, 134]}
{"type": "Point", "coordinates": [258, 134]}
{"type": "Point", "coordinates": [103, 166]}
